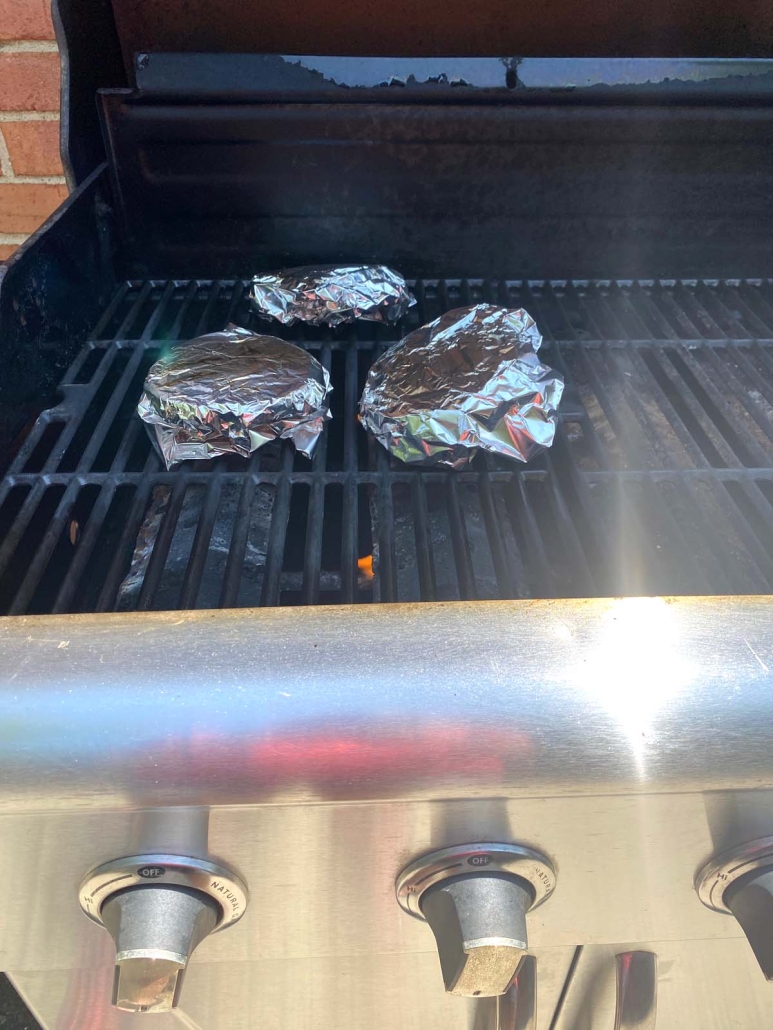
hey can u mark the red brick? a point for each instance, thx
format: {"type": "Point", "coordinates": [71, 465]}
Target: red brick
{"type": "Point", "coordinates": [33, 147]}
{"type": "Point", "coordinates": [24, 206]}
{"type": "Point", "coordinates": [25, 19]}
{"type": "Point", "coordinates": [30, 82]}
{"type": "Point", "coordinates": [6, 249]}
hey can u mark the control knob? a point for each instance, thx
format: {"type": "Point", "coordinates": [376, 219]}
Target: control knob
{"type": "Point", "coordinates": [475, 899]}
{"type": "Point", "coordinates": [740, 882]}
{"type": "Point", "coordinates": [158, 909]}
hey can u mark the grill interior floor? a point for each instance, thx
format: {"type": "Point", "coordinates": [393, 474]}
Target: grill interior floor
{"type": "Point", "coordinates": [660, 480]}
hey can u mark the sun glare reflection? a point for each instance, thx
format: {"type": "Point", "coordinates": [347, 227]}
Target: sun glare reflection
{"type": "Point", "coordinates": [637, 667]}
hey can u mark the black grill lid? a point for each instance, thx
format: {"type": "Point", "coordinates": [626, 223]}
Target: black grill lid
{"type": "Point", "coordinates": [448, 27]}
{"type": "Point", "coordinates": [101, 39]}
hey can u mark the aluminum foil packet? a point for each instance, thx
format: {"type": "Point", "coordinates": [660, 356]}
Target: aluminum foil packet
{"type": "Point", "coordinates": [471, 379]}
{"type": "Point", "coordinates": [231, 393]}
{"type": "Point", "coordinates": [332, 295]}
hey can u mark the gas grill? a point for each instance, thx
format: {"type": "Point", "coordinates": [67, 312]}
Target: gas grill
{"type": "Point", "coordinates": [320, 711]}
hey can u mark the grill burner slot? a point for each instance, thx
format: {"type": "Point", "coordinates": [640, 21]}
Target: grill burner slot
{"type": "Point", "coordinates": [660, 481]}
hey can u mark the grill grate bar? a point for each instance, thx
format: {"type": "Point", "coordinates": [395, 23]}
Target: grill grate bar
{"type": "Point", "coordinates": [675, 420]}
{"type": "Point", "coordinates": [237, 294]}
{"type": "Point", "coordinates": [710, 396]}
{"type": "Point", "coordinates": [568, 529]}
{"type": "Point", "coordinates": [763, 511]}
{"type": "Point", "coordinates": [108, 594]}
{"type": "Point", "coordinates": [312, 559]}
{"type": "Point", "coordinates": [461, 545]}
{"type": "Point", "coordinates": [596, 534]}
{"type": "Point", "coordinates": [645, 301]}
{"type": "Point", "coordinates": [340, 343]}
{"type": "Point", "coordinates": [635, 572]}
{"type": "Point", "coordinates": [697, 575]}
{"type": "Point", "coordinates": [533, 304]}
{"type": "Point", "coordinates": [349, 526]}
{"type": "Point", "coordinates": [386, 574]}
{"type": "Point", "coordinates": [108, 415]}
{"type": "Point", "coordinates": [135, 427]}
{"type": "Point", "coordinates": [631, 401]}
{"type": "Point", "coordinates": [721, 565]}
{"type": "Point", "coordinates": [698, 313]}
{"type": "Point", "coordinates": [25, 452]}
{"type": "Point", "coordinates": [74, 423]}
{"type": "Point", "coordinates": [750, 395]}
{"type": "Point", "coordinates": [131, 316]}
{"type": "Point", "coordinates": [236, 552]}
{"type": "Point", "coordinates": [702, 427]}
{"type": "Point", "coordinates": [276, 543]}
{"type": "Point", "coordinates": [157, 561]}
{"type": "Point", "coordinates": [686, 329]}
{"type": "Point", "coordinates": [118, 298]}
{"type": "Point", "coordinates": [205, 321]}
{"type": "Point", "coordinates": [188, 296]}
{"type": "Point", "coordinates": [424, 563]}
{"type": "Point", "coordinates": [727, 323]}
{"type": "Point", "coordinates": [755, 307]}
{"type": "Point", "coordinates": [195, 567]}
{"type": "Point", "coordinates": [349, 548]}
{"type": "Point", "coordinates": [158, 312]}
{"type": "Point", "coordinates": [134, 431]}
{"type": "Point", "coordinates": [373, 478]}
{"type": "Point", "coordinates": [616, 412]}
{"type": "Point", "coordinates": [20, 523]}
{"type": "Point", "coordinates": [609, 313]}
{"type": "Point", "coordinates": [763, 356]}
{"type": "Point", "coordinates": [536, 550]}
{"type": "Point", "coordinates": [85, 547]}
{"type": "Point", "coordinates": [618, 422]}
{"type": "Point", "coordinates": [629, 303]}
{"type": "Point", "coordinates": [760, 552]}
{"type": "Point", "coordinates": [505, 565]}
{"type": "Point", "coordinates": [47, 544]}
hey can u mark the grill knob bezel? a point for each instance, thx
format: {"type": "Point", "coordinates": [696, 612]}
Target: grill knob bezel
{"type": "Point", "coordinates": [217, 881]}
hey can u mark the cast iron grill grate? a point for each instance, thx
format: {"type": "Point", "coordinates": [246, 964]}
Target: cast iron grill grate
{"type": "Point", "coordinates": [660, 481]}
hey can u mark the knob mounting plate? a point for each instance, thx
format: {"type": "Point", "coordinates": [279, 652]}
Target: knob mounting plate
{"type": "Point", "coordinates": [465, 859]}
{"type": "Point", "coordinates": [218, 881]}
{"type": "Point", "coordinates": [714, 879]}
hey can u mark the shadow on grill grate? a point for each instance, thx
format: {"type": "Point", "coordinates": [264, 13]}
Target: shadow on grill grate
{"type": "Point", "coordinates": [660, 481]}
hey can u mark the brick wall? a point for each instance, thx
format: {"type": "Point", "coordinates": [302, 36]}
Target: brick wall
{"type": "Point", "coordinates": [31, 179]}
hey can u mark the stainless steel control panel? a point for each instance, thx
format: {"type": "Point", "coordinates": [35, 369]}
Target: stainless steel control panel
{"type": "Point", "coordinates": [629, 752]}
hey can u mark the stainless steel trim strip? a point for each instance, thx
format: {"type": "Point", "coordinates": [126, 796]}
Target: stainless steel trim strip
{"type": "Point", "coordinates": [460, 700]}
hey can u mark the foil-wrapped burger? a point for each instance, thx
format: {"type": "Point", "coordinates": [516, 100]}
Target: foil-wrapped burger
{"type": "Point", "coordinates": [331, 295]}
{"type": "Point", "coordinates": [232, 392]}
{"type": "Point", "coordinates": [471, 379]}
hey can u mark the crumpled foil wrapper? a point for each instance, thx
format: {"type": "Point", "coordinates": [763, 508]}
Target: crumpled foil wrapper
{"type": "Point", "coordinates": [231, 393]}
{"type": "Point", "coordinates": [331, 295]}
{"type": "Point", "coordinates": [471, 379]}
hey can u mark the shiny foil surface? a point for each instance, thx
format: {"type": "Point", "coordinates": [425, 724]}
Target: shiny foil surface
{"type": "Point", "coordinates": [232, 392]}
{"type": "Point", "coordinates": [332, 295]}
{"type": "Point", "coordinates": [469, 380]}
